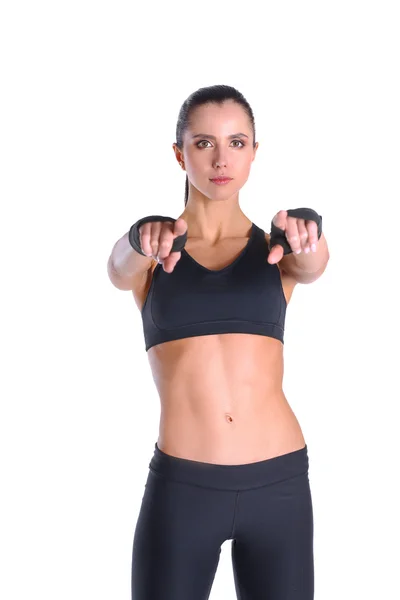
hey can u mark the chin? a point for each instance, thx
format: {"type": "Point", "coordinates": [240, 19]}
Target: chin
{"type": "Point", "coordinates": [219, 193]}
{"type": "Point", "coordinates": [225, 194]}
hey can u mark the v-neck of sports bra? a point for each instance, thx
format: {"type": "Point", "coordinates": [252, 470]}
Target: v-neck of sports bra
{"type": "Point", "coordinates": [232, 264]}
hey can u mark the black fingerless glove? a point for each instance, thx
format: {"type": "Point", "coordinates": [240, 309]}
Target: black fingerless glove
{"type": "Point", "coordinates": [134, 236]}
{"type": "Point", "coordinates": [278, 236]}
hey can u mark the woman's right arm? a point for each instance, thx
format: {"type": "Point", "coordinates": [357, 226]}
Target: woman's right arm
{"type": "Point", "coordinates": [126, 266]}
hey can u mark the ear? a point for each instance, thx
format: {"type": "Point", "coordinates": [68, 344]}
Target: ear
{"type": "Point", "coordinates": [255, 150]}
{"type": "Point", "coordinates": [178, 153]}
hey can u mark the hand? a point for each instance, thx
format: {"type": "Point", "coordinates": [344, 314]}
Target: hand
{"type": "Point", "coordinates": [156, 239]}
{"type": "Point", "coordinates": [302, 235]}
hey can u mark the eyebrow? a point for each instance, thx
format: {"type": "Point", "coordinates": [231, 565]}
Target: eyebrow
{"type": "Point", "coordinates": [207, 135]}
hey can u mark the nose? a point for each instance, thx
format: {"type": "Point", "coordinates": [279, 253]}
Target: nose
{"type": "Point", "coordinates": [220, 163]}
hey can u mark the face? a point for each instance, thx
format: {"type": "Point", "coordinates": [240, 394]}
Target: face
{"type": "Point", "coordinates": [218, 142]}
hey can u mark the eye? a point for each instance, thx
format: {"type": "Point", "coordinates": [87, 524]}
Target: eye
{"type": "Point", "coordinates": [240, 142]}
{"type": "Point", "coordinates": [198, 145]}
{"type": "Point", "coordinates": [207, 142]}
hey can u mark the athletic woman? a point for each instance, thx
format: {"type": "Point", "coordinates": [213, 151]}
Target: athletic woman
{"type": "Point", "coordinates": [231, 461]}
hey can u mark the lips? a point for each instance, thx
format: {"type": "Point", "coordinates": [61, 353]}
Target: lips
{"type": "Point", "coordinates": [221, 179]}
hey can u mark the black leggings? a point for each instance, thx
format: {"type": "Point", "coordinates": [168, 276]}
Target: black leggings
{"type": "Point", "coordinates": [190, 508]}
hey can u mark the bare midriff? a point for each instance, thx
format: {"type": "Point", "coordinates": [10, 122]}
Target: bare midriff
{"type": "Point", "coordinates": [222, 400]}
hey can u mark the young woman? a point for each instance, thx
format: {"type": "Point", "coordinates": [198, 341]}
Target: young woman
{"type": "Point", "coordinates": [231, 462]}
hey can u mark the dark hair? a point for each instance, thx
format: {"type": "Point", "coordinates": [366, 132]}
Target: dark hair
{"type": "Point", "coordinates": [216, 94]}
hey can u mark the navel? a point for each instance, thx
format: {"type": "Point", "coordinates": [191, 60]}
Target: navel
{"type": "Point", "coordinates": [229, 418]}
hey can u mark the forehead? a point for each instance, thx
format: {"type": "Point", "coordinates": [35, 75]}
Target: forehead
{"type": "Point", "coordinates": [219, 119]}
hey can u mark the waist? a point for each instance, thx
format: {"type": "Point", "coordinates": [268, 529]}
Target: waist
{"type": "Point", "coordinates": [216, 429]}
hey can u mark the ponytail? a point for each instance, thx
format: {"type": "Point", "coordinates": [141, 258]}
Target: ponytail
{"type": "Point", "coordinates": [186, 190]}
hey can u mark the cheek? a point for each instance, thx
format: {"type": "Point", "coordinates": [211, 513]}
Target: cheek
{"type": "Point", "coordinates": [245, 167]}
{"type": "Point", "coordinates": [196, 162]}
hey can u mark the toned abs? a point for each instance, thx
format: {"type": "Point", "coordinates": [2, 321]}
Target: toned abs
{"type": "Point", "coordinates": [221, 395]}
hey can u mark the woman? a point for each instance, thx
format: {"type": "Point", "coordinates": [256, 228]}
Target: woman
{"type": "Point", "coordinates": [231, 461]}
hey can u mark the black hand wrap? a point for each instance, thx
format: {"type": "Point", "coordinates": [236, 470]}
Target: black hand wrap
{"type": "Point", "coordinates": [134, 236]}
{"type": "Point", "coordinates": [278, 236]}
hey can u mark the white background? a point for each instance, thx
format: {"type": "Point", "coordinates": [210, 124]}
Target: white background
{"type": "Point", "coordinates": [90, 95]}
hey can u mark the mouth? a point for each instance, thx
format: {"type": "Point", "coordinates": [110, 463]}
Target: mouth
{"type": "Point", "coordinates": [221, 180]}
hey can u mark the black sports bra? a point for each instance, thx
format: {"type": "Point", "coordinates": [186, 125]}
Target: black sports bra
{"type": "Point", "coordinates": [244, 297]}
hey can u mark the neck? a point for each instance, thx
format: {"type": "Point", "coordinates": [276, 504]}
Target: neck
{"type": "Point", "coordinates": [213, 220]}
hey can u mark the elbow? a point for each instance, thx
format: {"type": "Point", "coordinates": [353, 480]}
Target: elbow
{"type": "Point", "coordinates": [118, 282]}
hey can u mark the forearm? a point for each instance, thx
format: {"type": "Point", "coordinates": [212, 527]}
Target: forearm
{"type": "Point", "coordinates": [125, 262]}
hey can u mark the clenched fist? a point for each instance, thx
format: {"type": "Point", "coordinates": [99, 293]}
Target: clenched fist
{"type": "Point", "coordinates": [156, 239]}
{"type": "Point", "coordinates": [300, 234]}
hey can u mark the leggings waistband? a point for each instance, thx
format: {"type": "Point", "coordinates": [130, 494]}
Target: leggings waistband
{"type": "Point", "coordinates": [230, 477]}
